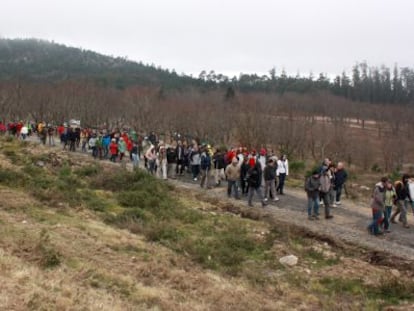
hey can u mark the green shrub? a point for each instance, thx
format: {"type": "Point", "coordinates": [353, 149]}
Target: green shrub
{"type": "Point", "coordinates": [88, 170]}
{"type": "Point", "coordinates": [49, 257]}
{"type": "Point", "coordinates": [163, 231]}
{"type": "Point", "coordinates": [375, 168]}
{"type": "Point", "coordinates": [297, 167]}
{"type": "Point", "coordinates": [12, 178]}
{"type": "Point", "coordinates": [92, 201]}
{"type": "Point", "coordinates": [65, 171]}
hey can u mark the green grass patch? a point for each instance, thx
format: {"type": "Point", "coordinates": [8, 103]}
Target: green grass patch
{"type": "Point", "coordinates": [12, 178]}
{"type": "Point", "coordinates": [216, 242]}
{"type": "Point", "coordinates": [319, 260]}
{"type": "Point", "coordinates": [88, 170]}
{"type": "Point", "coordinates": [48, 256]}
{"type": "Point", "coordinates": [389, 292]}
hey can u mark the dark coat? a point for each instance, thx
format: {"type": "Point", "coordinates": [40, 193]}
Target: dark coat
{"type": "Point", "coordinates": [243, 170]}
{"type": "Point", "coordinates": [255, 176]}
{"type": "Point", "coordinates": [218, 160]}
{"type": "Point", "coordinates": [340, 178]}
{"type": "Point", "coordinates": [269, 173]}
{"type": "Point", "coordinates": [401, 189]}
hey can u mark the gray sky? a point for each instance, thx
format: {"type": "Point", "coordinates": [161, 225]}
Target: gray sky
{"type": "Point", "coordinates": [228, 36]}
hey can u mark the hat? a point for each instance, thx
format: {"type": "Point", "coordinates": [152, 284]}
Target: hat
{"type": "Point", "coordinates": [113, 139]}
{"type": "Point", "coordinates": [263, 151]}
{"type": "Point", "coordinates": [252, 162]}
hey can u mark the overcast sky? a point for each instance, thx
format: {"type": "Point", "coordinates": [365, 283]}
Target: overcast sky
{"type": "Point", "coordinates": [228, 36]}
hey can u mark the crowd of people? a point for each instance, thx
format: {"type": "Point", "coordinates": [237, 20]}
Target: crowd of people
{"type": "Point", "coordinates": [247, 173]}
{"type": "Point", "coordinates": [385, 196]}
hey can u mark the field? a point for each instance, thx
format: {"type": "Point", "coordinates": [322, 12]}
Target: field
{"type": "Point", "coordinates": [82, 235]}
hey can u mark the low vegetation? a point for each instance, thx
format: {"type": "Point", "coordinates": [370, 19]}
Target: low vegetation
{"type": "Point", "coordinates": [76, 234]}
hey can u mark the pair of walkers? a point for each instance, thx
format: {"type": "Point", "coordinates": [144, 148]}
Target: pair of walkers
{"type": "Point", "coordinates": [317, 186]}
{"type": "Point", "coordinates": [385, 195]}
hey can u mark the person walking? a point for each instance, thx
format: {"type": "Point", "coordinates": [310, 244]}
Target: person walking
{"type": "Point", "coordinates": [113, 150]}
{"type": "Point", "coordinates": [254, 180]}
{"type": "Point", "coordinates": [179, 154]}
{"type": "Point", "coordinates": [282, 172]}
{"type": "Point", "coordinates": [135, 155]}
{"type": "Point", "coordinates": [233, 176]}
{"type": "Point", "coordinates": [390, 197]}
{"type": "Point", "coordinates": [341, 175]}
{"type": "Point", "coordinates": [244, 168]}
{"type": "Point", "coordinates": [205, 166]}
{"type": "Point", "coordinates": [151, 157]}
{"type": "Point", "coordinates": [195, 161]}
{"type": "Point", "coordinates": [219, 166]}
{"type": "Point", "coordinates": [324, 190]}
{"type": "Point", "coordinates": [162, 161]}
{"type": "Point", "coordinates": [377, 205]}
{"type": "Point", "coordinates": [269, 178]}
{"type": "Point", "coordinates": [403, 200]}
{"type": "Point", "coordinates": [312, 186]}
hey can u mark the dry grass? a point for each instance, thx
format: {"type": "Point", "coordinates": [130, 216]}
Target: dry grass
{"type": "Point", "coordinates": [102, 267]}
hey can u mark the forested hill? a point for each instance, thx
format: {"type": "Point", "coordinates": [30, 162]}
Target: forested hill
{"type": "Point", "coordinates": [32, 59]}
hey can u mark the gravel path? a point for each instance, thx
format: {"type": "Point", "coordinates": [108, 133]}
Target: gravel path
{"type": "Point", "coordinates": [348, 225]}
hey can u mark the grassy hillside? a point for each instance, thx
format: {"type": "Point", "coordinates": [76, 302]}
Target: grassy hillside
{"type": "Point", "coordinates": [81, 236]}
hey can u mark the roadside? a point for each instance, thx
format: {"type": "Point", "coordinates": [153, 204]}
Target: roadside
{"type": "Point", "coordinates": [348, 225]}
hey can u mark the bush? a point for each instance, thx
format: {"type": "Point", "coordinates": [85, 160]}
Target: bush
{"type": "Point", "coordinates": [11, 178]}
{"type": "Point", "coordinates": [375, 168]}
{"type": "Point", "coordinates": [88, 170]}
{"type": "Point", "coordinates": [92, 200]}
{"type": "Point", "coordinates": [48, 256]}
{"type": "Point", "coordinates": [297, 167]}
{"type": "Point", "coordinates": [163, 231]}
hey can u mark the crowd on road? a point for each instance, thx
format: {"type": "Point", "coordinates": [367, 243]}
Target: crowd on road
{"type": "Point", "coordinates": [247, 173]}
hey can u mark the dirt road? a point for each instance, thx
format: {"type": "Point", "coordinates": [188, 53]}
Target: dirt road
{"type": "Point", "coordinates": [348, 225]}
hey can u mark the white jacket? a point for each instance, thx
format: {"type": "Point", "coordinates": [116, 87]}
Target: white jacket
{"type": "Point", "coordinates": [282, 167]}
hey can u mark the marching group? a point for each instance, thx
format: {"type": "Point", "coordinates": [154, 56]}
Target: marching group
{"type": "Point", "coordinates": [246, 172]}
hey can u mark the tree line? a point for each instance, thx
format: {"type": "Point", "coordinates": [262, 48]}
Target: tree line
{"type": "Point", "coordinates": [39, 60]}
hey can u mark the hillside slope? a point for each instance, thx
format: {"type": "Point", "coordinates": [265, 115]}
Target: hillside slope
{"type": "Point", "coordinates": [48, 61]}
{"type": "Point", "coordinates": [80, 235]}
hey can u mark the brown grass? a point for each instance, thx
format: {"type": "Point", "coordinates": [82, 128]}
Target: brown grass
{"type": "Point", "coordinates": [105, 268]}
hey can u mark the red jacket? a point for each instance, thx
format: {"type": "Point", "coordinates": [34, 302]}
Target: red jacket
{"type": "Point", "coordinates": [113, 148]}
